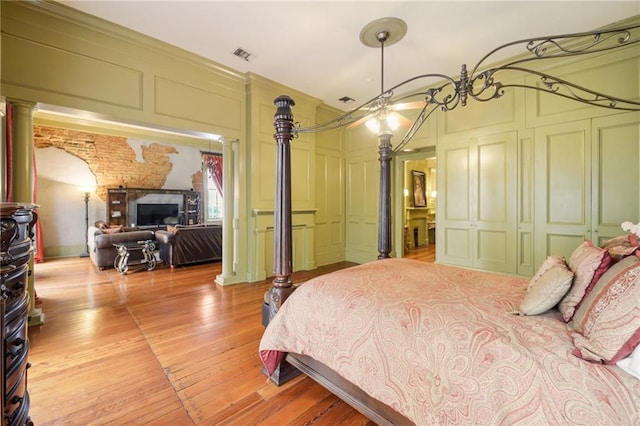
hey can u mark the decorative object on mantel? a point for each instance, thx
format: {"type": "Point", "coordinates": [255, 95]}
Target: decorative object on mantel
{"type": "Point", "coordinates": [479, 85]}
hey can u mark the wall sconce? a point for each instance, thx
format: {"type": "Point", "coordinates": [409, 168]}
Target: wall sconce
{"type": "Point", "coordinates": [434, 194]}
{"type": "Point", "coordinates": [406, 192]}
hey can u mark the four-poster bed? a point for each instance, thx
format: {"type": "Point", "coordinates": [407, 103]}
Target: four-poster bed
{"type": "Point", "coordinates": [460, 355]}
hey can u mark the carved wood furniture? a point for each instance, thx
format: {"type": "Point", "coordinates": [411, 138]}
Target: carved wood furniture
{"type": "Point", "coordinates": [16, 251]}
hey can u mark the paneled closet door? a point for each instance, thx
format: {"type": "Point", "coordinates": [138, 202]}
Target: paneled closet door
{"type": "Point", "coordinates": [455, 205]}
{"type": "Point", "coordinates": [562, 188]}
{"type": "Point", "coordinates": [587, 182]}
{"type": "Point", "coordinates": [616, 174]}
{"type": "Point", "coordinates": [479, 212]}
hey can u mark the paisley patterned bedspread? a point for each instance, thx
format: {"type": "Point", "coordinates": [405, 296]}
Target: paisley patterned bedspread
{"type": "Point", "coordinates": [439, 344]}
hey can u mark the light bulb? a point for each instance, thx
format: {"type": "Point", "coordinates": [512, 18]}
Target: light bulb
{"type": "Point", "coordinates": [373, 124]}
{"type": "Point", "coordinates": [392, 122]}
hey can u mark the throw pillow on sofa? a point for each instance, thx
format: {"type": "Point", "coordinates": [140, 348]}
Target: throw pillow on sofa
{"type": "Point", "coordinates": [112, 229]}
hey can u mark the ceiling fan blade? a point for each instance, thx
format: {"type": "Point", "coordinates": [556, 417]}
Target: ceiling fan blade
{"type": "Point", "coordinates": [404, 121]}
{"type": "Point", "coordinates": [408, 105]}
{"type": "Point", "coordinates": [359, 121]}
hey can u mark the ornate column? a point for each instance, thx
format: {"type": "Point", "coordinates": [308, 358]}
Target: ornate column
{"type": "Point", "coordinates": [282, 285]}
{"type": "Point", "coordinates": [22, 150]}
{"type": "Point", "coordinates": [23, 179]}
{"type": "Point", "coordinates": [229, 218]}
{"type": "Point", "coordinates": [384, 210]}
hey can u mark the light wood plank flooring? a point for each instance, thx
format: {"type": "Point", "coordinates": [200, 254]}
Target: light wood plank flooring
{"type": "Point", "coordinates": [162, 347]}
{"type": "Point", "coordinates": [423, 253]}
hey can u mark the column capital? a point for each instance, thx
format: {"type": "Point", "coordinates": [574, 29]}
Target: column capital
{"type": "Point", "coordinates": [20, 103]}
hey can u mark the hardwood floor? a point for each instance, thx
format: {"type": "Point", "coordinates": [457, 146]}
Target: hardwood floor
{"type": "Point", "coordinates": [162, 347]}
{"type": "Point", "coordinates": [423, 253]}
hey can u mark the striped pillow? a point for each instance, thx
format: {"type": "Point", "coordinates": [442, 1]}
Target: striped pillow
{"type": "Point", "coordinates": [587, 263]}
{"type": "Point", "coordinates": [607, 324]}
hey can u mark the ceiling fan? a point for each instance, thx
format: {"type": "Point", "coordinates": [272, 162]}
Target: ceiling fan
{"type": "Point", "coordinates": [380, 33]}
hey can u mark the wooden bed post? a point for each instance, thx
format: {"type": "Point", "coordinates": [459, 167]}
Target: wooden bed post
{"type": "Point", "coordinates": [282, 285]}
{"type": "Point", "coordinates": [384, 210]}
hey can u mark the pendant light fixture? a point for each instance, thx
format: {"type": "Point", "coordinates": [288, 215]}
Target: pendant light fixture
{"type": "Point", "coordinates": [382, 33]}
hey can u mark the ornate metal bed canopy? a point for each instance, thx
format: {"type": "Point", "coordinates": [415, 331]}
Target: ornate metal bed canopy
{"type": "Point", "coordinates": [482, 84]}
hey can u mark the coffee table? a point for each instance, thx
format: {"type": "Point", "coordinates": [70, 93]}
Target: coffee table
{"type": "Point", "coordinates": [124, 249]}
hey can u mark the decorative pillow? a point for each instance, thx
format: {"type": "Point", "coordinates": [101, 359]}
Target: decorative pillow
{"type": "Point", "coordinates": [549, 262]}
{"type": "Point", "coordinates": [621, 246]}
{"type": "Point", "coordinates": [587, 263]}
{"type": "Point", "coordinates": [547, 290]}
{"type": "Point", "coordinates": [112, 229]}
{"type": "Point", "coordinates": [607, 324]}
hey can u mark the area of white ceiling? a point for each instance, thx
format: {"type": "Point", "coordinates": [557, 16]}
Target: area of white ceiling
{"type": "Point", "coordinates": [314, 46]}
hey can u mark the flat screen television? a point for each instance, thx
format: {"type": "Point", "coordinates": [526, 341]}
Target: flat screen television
{"type": "Point", "coordinates": [157, 214]}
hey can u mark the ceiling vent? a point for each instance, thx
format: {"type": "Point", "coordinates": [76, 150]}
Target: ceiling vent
{"type": "Point", "coordinates": [243, 54]}
{"type": "Point", "coordinates": [346, 99]}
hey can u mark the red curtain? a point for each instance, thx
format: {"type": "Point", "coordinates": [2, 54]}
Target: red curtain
{"type": "Point", "coordinates": [213, 164]}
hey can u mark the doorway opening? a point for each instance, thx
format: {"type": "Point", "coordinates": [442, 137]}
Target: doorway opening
{"type": "Point", "coordinates": [419, 205]}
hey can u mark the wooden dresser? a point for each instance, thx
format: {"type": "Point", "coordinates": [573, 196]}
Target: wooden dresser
{"type": "Point", "coordinates": [17, 221]}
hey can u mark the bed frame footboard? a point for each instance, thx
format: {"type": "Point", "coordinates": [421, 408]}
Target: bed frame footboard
{"type": "Point", "coordinates": [348, 392]}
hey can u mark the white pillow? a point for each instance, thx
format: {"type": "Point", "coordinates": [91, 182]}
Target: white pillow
{"type": "Point", "coordinates": [549, 262]}
{"type": "Point", "coordinates": [546, 290]}
{"type": "Point", "coordinates": [631, 364]}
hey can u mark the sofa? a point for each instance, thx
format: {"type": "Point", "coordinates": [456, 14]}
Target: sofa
{"type": "Point", "coordinates": [101, 244]}
{"type": "Point", "coordinates": [184, 245]}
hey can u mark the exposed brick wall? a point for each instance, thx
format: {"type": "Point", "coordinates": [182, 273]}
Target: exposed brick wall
{"type": "Point", "coordinates": [111, 158]}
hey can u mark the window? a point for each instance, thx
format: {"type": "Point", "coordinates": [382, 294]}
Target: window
{"type": "Point", "coordinates": [213, 186]}
{"type": "Point", "coordinates": [214, 201]}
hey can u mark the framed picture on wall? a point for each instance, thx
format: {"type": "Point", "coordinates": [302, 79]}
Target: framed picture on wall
{"type": "Point", "coordinates": [419, 192]}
